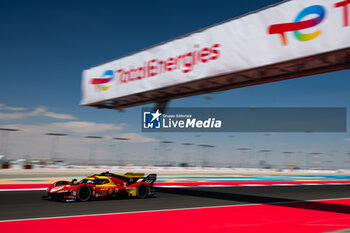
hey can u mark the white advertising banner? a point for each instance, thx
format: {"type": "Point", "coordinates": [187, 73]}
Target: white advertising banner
{"type": "Point", "coordinates": [287, 31]}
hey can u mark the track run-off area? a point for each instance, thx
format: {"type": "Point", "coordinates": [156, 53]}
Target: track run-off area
{"type": "Point", "coordinates": [186, 201]}
{"type": "Point", "coordinates": [271, 208]}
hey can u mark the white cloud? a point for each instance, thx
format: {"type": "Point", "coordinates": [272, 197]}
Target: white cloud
{"type": "Point", "coordinates": [80, 127]}
{"type": "Point", "coordinates": [11, 116]}
{"type": "Point", "coordinates": [59, 116]}
{"type": "Point", "coordinates": [39, 111]}
{"type": "Point", "coordinates": [347, 139]}
{"type": "Point", "coordinates": [5, 107]}
{"type": "Point", "coordinates": [135, 137]}
{"type": "Point", "coordinates": [36, 112]}
{"type": "Point", "coordinates": [85, 127]}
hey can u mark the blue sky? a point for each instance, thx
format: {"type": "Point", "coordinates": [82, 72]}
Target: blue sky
{"type": "Point", "coordinates": [45, 46]}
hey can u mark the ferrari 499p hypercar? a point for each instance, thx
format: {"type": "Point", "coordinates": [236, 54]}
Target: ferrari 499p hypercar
{"type": "Point", "coordinates": [105, 184]}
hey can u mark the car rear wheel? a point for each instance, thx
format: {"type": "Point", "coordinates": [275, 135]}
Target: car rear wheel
{"type": "Point", "coordinates": [84, 193]}
{"type": "Point", "coordinates": [142, 191]}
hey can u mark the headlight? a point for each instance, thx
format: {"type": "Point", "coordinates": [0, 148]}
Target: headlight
{"type": "Point", "coordinates": [64, 191]}
{"type": "Point", "coordinates": [57, 188]}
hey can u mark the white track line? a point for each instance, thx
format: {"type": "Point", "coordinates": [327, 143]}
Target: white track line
{"type": "Point", "coordinates": [37, 189]}
{"type": "Point", "coordinates": [287, 184]}
{"type": "Point", "coordinates": [252, 185]}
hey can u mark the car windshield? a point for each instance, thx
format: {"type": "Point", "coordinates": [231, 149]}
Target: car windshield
{"type": "Point", "coordinates": [94, 181]}
{"type": "Point", "coordinates": [101, 181]}
{"type": "Point", "coordinates": [87, 181]}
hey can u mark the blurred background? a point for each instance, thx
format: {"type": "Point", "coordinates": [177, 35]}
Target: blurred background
{"type": "Point", "coordinates": [45, 45]}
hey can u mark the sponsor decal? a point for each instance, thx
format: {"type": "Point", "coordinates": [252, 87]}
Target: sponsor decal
{"type": "Point", "coordinates": [154, 67]}
{"type": "Point", "coordinates": [103, 83]}
{"type": "Point", "coordinates": [317, 9]}
{"type": "Point", "coordinates": [300, 23]}
{"type": "Point", "coordinates": [344, 5]}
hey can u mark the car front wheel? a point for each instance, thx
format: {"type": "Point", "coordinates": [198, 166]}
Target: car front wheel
{"type": "Point", "coordinates": [84, 193]}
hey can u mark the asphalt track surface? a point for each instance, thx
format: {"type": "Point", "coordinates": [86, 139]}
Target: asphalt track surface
{"type": "Point", "coordinates": [28, 204]}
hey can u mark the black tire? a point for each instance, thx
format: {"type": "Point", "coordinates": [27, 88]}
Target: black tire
{"type": "Point", "coordinates": [84, 193]}
{"type": "Point", "coordinates": [142, 191]}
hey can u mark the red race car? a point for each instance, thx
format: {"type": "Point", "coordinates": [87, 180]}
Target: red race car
{"type": "Point", "coordinates": [105, 184]}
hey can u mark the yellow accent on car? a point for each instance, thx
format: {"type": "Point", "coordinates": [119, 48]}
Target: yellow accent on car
{"type": "Point", "coordinates": [134, 175]}
{"type": "Point", "coordinates": [131, 191]}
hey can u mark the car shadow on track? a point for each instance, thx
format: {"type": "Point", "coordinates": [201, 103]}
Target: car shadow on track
{"type": "Point", "coordinates": [254, 199]}
{"type": "Point", "coordinates": [98, 199]}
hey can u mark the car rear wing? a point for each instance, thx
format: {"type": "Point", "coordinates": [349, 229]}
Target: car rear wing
{"type": "Point", "coordinates": [134, 175]}
{"type": "Point", "coordinates": [151, 178]}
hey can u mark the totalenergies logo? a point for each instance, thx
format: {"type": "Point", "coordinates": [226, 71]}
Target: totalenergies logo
{"type": "Point", "coordinates": [300, 24]}
{"type": "Point", "coordinates": [102, 83]}
{"type": "Point", "coordinates": [185, 62]}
